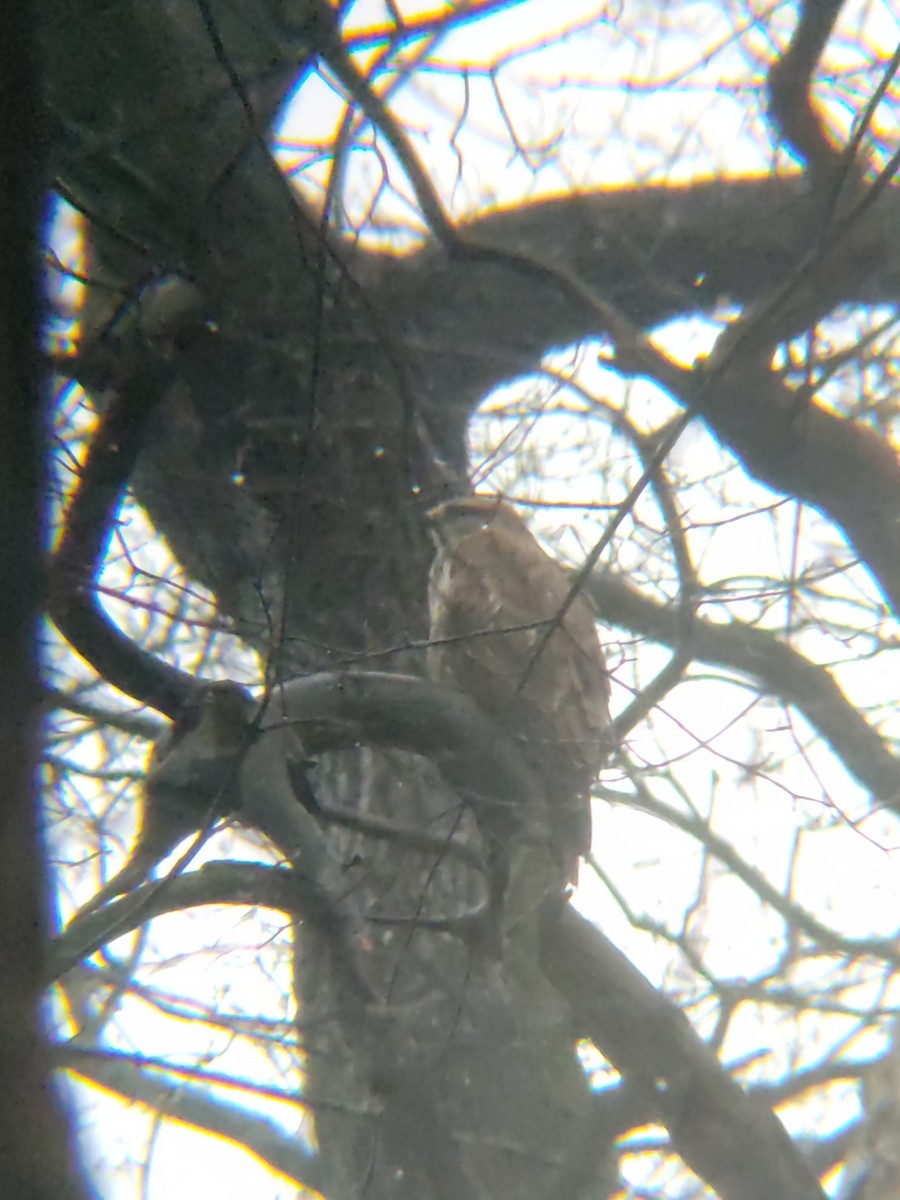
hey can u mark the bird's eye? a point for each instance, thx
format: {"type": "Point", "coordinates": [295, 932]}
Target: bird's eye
{"type": "Point", "coordinates": [188, 719]}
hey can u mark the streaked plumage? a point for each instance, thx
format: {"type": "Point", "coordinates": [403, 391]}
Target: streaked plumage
{"type": "Point", "coordinates": [493, 596]}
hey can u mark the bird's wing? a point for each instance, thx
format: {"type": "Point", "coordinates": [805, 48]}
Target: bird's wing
{"type": "Point", "coordinates": [499, 594]}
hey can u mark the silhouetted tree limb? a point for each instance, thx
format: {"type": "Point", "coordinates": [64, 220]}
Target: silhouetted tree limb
{"type": "Point", "coordinates": [780, 670]}
{"type": "Point", "coordinates": [729, 1139]}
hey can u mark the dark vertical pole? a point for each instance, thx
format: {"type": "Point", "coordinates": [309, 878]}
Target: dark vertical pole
{"type": "Point", "coordinates": [35, 1153]}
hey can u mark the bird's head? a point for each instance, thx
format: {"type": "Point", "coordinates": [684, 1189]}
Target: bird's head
{"type": "Point", "coordinates": [454, 520]}
{"type": "Point", "coordinates": [222, 711]}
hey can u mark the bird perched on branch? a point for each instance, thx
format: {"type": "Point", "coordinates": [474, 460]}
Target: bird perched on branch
{"type": "Point", "coordinates": [507, 630]}
{"type": "Point", "coordinates": [191, 780]}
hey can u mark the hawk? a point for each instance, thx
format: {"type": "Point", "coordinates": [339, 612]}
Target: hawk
{"type": "Point", "coordinates": [495, 599]}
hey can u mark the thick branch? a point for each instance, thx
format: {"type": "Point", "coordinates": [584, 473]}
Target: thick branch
{"type": "Point", "coordinates": [737, 1145]}
{"type": "Point", "coordinates": [781, 671]}
{"type": "Point", "coordinates": [795, 446]}
{"type": "Point", "coordinates": [790, 88]}
{"type": "Point", "coordinates": [193, 1104]}
{"type": "Point", "coordinates": [214, 883]}
{"type": "Point", "coordinates": [344, 709]}
{"type": "Point", "coordinates": [143, 376]}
